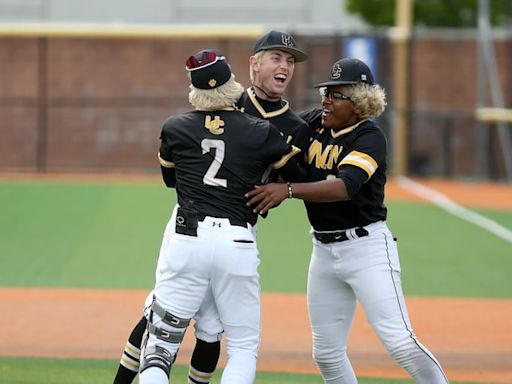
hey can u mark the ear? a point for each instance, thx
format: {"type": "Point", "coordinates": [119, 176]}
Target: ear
{"type": "Point", "coordinates": [253, 62]}
{"type": "Point", "coordinates": [356, 111]}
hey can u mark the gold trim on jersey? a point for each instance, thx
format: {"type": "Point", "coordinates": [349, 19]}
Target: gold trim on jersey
{"type": "Point", "coordinates": [285, 158]}
{"type": "Point", "coordinates": [361, 160]}
{"type": "Point", "coordinates": [343, 131]}
{"type": "Point", "coordinates": [165, 163]}
{"type": "Point", "coordinates": [261, 110]}
{"type": "Point", "coordinates": [226, 108]}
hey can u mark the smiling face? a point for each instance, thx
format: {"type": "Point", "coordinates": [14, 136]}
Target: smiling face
{"type": "Point", "coordinates": [273, 71]}
{"type": "Point", "coordinates": [338, 111]}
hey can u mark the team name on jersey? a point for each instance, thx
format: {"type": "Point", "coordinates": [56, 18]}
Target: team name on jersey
{"type": "Point", "coordinates": [323, 158]}
{"type": "Point", "coordinates": [214, 124]}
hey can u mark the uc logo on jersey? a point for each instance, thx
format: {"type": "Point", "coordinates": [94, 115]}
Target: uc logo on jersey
{"type": "Point", "coordinates": [214, 125]}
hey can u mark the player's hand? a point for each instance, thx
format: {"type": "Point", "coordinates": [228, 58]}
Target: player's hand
{"type": "Point", "coordinates": [264, 197]}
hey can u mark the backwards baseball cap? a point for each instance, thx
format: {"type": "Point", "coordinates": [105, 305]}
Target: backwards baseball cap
{"type": "Point", "coordinates": [281, 41]}
{"type": "Point", "coordinates": [208, 69]}
{"type": "Point", "coordinates": [348, 71]}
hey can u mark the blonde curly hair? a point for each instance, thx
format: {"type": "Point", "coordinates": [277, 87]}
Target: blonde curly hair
{"type": "Point", "coordinates": [217, 98]}
{"type": "Point", "coordinates": [370, 100]}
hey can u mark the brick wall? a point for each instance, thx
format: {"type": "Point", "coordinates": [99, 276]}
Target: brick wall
{"type": "Point", "coordinates": [83, 104]}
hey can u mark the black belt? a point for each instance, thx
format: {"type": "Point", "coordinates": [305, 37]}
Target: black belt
{"type": "Point", "coordinates": [333, 237]}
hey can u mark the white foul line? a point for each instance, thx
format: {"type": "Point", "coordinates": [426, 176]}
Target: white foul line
{"type": "Point", "coordinates": [455, 209]}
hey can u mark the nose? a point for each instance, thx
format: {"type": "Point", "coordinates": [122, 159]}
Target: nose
{"type": "Point", "coordinates": [284, 63]}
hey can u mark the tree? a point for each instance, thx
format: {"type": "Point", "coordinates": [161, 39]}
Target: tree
{"type": "Point", "coordinates": [432, 13]}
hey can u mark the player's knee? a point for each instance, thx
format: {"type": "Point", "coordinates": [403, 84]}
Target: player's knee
{"type": "Point", "coordinates": [332, 354]}
{"type": "Point", "coordinates": [207, 337]}
{"type": "Point", "coordinates": [404, 353]}
{"type": "Point", "coordinates": [165, 325]}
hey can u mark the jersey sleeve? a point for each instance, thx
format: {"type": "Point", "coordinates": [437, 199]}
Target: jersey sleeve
{"type": "Point", "coordinates": [301, 140]}
{"type": "Point", "coordinates": [367, 154]}
{"type": "Point", "coordinates": [278, 150]}
{"type": "Point", "coordinates": [165, 153]}
{"type": "Point", "coordinates": [165, 157]}
{"type": "Point", "coordinates": [312, 117]}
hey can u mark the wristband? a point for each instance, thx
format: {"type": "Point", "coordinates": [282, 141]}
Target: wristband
{"type": "Point", "coordinates": [290, 190]}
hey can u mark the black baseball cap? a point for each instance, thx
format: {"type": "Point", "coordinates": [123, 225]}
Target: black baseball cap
{"type": "Point", "coordinates": [208, 69]}
{"type": "Point", "coordinates": [348, 71]}
{"type": "Point", "coordinates": [281, 41]}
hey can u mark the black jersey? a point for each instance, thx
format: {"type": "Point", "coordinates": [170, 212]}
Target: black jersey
{"type": "Point", "coordinates": [218, 157]}
{"type": "Point", "coordinates": [279, 113]}
{"type": "Point", "coordinates": [357, 155]}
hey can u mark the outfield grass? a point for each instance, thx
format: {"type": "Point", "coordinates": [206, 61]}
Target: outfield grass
{"type": "Point", "coordinates": [107, 235]}
{"type": "Point", "coordinates": [55, 371]}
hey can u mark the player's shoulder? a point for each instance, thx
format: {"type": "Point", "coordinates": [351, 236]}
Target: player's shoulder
{"type": "Point", "coordinates": [370, 127]}
{"type": "Point", "coordinates": [179, 118]}
{"type": "Point", "coordinates": [312, 117]}
{"type": "Point", "coordinates": [251, 119]}
{"type": "Point", "coordinates": [242, 101]}
{"type": "Point", "coordinates": [371, 132]}
{"type": "Point", "coordinates": [296, 117]}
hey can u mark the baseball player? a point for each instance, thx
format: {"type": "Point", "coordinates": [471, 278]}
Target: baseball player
{"type": "Point", "coordinates": [271, 69]}
{"type": "Point", "coordinates": [354, 256]}
{"type": "Point", "coordinates": [209, 258]}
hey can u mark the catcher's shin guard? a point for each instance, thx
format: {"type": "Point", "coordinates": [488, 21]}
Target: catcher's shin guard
{"type": "Point", "coordinates": [157, 357]}
{"type": "Point", "coordinates": [164, 333]}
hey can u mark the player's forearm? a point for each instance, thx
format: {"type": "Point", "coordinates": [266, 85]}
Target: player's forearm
{"type": "Point", "coordinates": [320, 191]}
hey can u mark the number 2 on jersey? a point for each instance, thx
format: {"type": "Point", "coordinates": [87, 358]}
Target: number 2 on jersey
{"type": "Point", "coordinates": [209, 177]}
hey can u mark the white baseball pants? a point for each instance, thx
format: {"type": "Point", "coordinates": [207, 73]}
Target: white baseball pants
{"type": "Point", "coordinates": [220, 264]}
{"type": "Point", "coordinates": [367, 270]}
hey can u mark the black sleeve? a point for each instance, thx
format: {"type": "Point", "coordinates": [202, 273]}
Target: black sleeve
{"type": "Point", "coordinates": [292, 171]}
{"type": "Point", "coordinates": [165, 157]}
{"type": "Point", "coordinates": [301, 140]}
{"type": "Point", "coordinates": [313, 117]}
{"type": "Point", "coordinates": [354, 178]}
{"type": "Point", "coordinates": [287, 167]}
{"type": "Point", "coordinates": [369, 151]}
{"type": "Point", "coordinates": [169, 176]}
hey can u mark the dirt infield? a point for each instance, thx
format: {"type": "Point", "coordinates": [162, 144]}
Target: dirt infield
{"type": "Point", "coordinates": [469, 194]}
{"type": "Point", "coordinates": [471, 338]}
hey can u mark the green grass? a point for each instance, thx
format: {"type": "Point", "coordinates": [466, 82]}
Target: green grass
{"type": "Point", "coordinates": [107, 235]}
{"type": "Point", "coordinates": [76, 235]}
{"type": "Point", "coordinates": [15, 370]}
{"type": "Point", "coordinates": [442, 255]}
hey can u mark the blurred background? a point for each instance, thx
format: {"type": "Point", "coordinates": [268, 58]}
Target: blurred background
{"type": "Point", "coordinates": [86, 85]}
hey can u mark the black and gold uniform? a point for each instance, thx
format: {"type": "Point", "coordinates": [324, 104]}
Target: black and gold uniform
{"type": "Point", "coordinates": [218, 157]}
{"type": "Point", "coordinates": [292, 126]}
{"type": "Point", "coordinates": [357, 155]}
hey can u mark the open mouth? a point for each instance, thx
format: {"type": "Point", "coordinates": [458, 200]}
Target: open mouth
{"type": "Point", "coordinates": [281, 78]}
